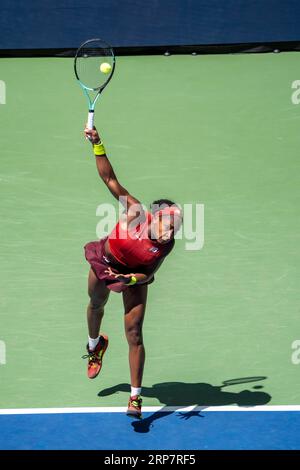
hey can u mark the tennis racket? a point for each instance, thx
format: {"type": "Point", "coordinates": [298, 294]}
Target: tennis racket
{"type": "Point", "coordinates": [94, 66]}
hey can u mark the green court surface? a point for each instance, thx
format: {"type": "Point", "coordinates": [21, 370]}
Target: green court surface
{"type": "Point", "coordinates": [217, 130]}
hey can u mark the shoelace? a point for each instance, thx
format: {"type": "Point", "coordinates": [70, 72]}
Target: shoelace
{"type": "Point", "coordinates": [137, 403]}
{"type": "Point", "coordinates": [91, 356]}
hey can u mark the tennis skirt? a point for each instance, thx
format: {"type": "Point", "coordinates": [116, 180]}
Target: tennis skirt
{"type": "Point", "coordinates": [95, 255]}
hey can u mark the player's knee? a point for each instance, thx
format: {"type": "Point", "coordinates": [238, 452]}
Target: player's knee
{"type": "Point", "coordinates": [96, 293]}
{"type": "Point", "coordinates": [134, 336]}
{"type": "Point", "coordinates": [96, 304]}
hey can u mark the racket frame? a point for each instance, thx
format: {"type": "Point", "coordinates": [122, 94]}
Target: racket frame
{"type": "Point", "coordinates": [92, 104]}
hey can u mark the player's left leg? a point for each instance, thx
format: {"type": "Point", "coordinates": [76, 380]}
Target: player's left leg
{"type": "Point", "coordinates": [97, 345]}
{"type": "Point", "coordinates": [134, 299]}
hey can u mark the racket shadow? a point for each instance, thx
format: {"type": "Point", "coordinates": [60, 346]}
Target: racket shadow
{"type": "Point", "coordinates": [180, 394]}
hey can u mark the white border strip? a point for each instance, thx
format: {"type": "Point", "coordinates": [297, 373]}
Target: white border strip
{"type": "Point", "coordinates": [146, 409]}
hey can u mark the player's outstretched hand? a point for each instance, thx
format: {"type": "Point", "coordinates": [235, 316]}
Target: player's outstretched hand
{"type": "Point", "coordinates": [92, 135]}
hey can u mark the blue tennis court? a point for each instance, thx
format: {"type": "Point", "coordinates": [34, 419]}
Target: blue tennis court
{"type": "Point", "coordinates": [198, 429]}
{"type": "Point", "coordinates": [198, 107]}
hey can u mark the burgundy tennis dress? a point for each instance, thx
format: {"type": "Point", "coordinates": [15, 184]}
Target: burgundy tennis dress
{"type": "Point", "coordinates": [133, 249]}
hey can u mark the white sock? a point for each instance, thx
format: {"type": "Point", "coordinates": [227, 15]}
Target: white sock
{"type": "Point", "coordinates": [135, 391]}
{"type": "Point", "coordinates": [93, 343]}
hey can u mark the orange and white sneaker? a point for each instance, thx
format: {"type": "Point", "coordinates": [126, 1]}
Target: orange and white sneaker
{"type": "Point", "coordinates": [134, 409]}
{"type": "Point", "coordinates": [95, 357]}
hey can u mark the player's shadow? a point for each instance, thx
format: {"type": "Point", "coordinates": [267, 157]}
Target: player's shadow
{"type": "Point", "coordinates": [202, 395]}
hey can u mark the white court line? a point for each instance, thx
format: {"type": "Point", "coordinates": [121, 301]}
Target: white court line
{"type": "Point", "coordinates": [146, 409]}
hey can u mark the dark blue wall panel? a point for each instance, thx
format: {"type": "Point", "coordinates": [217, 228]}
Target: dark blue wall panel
{"type": "Point", "coordinates": [66, 23]}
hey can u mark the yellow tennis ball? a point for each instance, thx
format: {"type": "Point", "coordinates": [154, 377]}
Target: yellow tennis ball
{"type": "Point", "coordinates": [105, 67]}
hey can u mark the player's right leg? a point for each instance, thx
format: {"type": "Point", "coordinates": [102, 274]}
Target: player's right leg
{"type": "Point", "coordinates": [98, 293]}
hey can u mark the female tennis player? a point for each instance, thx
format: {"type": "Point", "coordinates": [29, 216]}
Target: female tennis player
{"type": "Point", "coordinates": [125, 261]}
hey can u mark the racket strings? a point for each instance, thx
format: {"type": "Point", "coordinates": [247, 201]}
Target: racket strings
{"type": "Point", "coordinates": [88, 61]}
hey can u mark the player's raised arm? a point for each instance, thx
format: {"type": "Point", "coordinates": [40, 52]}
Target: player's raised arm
{"type": "Point", "coordinates": [108, 175]}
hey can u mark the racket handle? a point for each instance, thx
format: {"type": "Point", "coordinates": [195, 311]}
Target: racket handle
{"type": "Point", "coordinates": [90, 123]}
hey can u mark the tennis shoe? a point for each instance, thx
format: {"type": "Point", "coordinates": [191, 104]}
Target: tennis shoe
{"type": "Point", "coordinates": [95, 357]}
{"type": "Point", "coordinates": [134, 409]}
